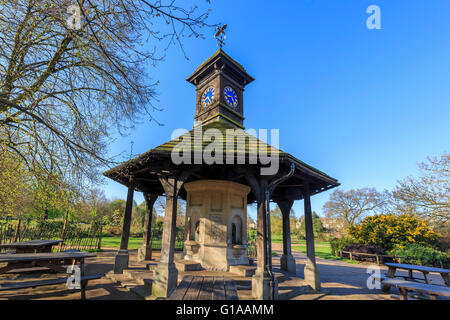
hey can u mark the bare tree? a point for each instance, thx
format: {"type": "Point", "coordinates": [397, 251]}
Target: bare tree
{"type": "Point", "coordinates": [427, 195]}
{"type": "Point", "coordinates": [353, 205]}
{"type": "Point", "coordinates": [71, 72]}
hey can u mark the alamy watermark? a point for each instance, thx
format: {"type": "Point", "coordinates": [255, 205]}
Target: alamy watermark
{"type": "Point", "coordinates": [374, 280]}
{"type": "Point", "coordinates": [374, 20]}
{"type": "Point", "coordinates": [74, 21]}
{"type": "Point", "coordinates": [74, 281]}
{"type": "Point", "coordinates": [234, 146]}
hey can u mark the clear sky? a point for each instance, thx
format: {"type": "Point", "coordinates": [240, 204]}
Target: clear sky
{"type": "Point", "coordinates": [364, 106]}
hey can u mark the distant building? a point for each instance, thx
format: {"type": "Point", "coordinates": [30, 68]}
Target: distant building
{"type": "Point", "coordinates": [334, 225]}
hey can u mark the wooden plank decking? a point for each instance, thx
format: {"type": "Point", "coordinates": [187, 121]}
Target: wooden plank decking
{"type": "Point", "coordinates": [205, 288]}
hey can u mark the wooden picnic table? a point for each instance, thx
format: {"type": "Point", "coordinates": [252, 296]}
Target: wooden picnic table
{"type": "Point", "coordinates": [411, 267]}
{"type": "Point", "coordinates": [32, 246]}
{"type": "Point", "coordinates": [421, 288]}
{"type": "Point", "coordinates": [53, 261]}
{"type": "Point", "coordinates": [205, 288]}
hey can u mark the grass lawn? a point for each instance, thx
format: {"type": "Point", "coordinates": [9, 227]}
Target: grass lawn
{"type": "Point", "coordinates": [114, 242]}
{"type": "Point", "coordinates": [322, 249]}
{"type": "Point", "coordinates": [133, 243]}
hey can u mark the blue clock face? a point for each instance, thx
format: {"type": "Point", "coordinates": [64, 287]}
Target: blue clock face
{"type": "Point", "coordinates": [230, 97]}
{"type": "Point", "coordinates": [208, 96]}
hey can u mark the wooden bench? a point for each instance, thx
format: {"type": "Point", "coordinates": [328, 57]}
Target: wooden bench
{"type": "Point", "coordinates": [382, 277]}
{"type": "Point", "coordinates": [423, 269]}
{"type": "Point", "coordinates": [405, 286]}
{"type": "Point", "coordinates": [205, 288]}
{"type": "Point", "coordinates": [48, 282]}
{"type": "Point", "coordinates": [57, 262]}
{"type": "Point", "coordinates": [32, 246]}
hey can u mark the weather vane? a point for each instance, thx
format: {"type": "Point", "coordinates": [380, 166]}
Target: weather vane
{"type": "Point", "coordinates": [220, 35]}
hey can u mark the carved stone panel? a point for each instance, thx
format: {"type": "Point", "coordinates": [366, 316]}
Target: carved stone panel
{"type": "Point", "coordinates": [195, 199]}
{"type": "Point", "coordinates": [237, 201]}
{"type": "Point", "coordinates": [216, 202]}
{"type": "Point", "coordinates": [217, 233]}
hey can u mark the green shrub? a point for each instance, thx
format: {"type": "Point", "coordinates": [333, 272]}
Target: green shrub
{"type": "Point", "coordinates": [338, 244]}
{"type": "Point", "coordinates": [251, 235]}
{"type": "Point", "coordinates": [416, 254]}
{"type": "Point", "coordinates": [387, 231]}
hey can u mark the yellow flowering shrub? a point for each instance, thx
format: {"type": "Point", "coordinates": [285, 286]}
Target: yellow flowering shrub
{"type": "Point", "coordinates": [388, 231]}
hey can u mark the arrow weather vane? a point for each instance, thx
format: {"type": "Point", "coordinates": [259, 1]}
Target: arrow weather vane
{"type": "Point", "coordinates": [220, 35]}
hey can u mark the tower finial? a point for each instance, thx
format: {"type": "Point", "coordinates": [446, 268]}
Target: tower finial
{"type": "Point", "coordinates": [220, 35]}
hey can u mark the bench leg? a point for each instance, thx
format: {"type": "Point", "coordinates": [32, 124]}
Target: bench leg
{"type": "Point", "coordinates": [403, 294]}
{"type": "Point", "coordinates": [425, 277]}
{"type": "Point", "coordinates": [389, 274]}
{"type": "Point", "coordinates": [386, 289]}
{"type": "Point", "coordinates": [83, 283]}
{"type": "Point", "coordinates": [446, 279]}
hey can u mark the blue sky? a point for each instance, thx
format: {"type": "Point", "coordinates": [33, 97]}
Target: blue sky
{"type": "Point", "coordinates": [364, 106]}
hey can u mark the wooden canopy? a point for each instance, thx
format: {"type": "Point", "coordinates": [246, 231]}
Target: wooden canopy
{"type": "Point", "coordinates": [143, 171]}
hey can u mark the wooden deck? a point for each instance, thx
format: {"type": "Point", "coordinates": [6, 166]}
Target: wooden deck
{"type": "Point", "coordinates": [205, 288]}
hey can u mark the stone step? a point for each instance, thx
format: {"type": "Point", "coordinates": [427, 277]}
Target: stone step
{"type": "Point", "coordinates": [151, 266]}
{"type": "Point", "coordinates": [144, 292]}
{"type": "Point", "coordinates": [243, 284]}
{"type": "Point", "coordinates": [187, 265]}
{"type": "Point", "coordinates": [115, 278]}
{"type": "Point", "coordinates": [136, 281]}
{"type": "Point", "coordinates": [143, 277]}
{"type": "Point", "coordinates": [280, 277]}
{"type": "Point", "coordinates": [129, 284]}
{"type": "Point", "coordinates": [243, 270]}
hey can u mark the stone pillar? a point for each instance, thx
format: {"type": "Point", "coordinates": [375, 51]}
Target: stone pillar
{"type": "Point", "coordinates": [311, 272]}
{"type": "Point", "coordinates": [287, 260]}
{"type": "Point", "coordinates": [166, 275]}
{"type": "Point", "coordinates": [145, 251]}
{"type": "Point", "coordinates": [262, 282]}
{"type": "Point", "coordinates": [122, 257]}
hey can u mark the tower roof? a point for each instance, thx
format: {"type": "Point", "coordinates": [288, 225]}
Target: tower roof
{"type": "Point", "coordinates": [224, 60]}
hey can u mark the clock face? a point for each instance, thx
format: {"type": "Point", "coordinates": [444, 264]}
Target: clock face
{"type": "Point", "coordinates": [230, 97]}
{"type": "Point", "coordinates": [208, 96]}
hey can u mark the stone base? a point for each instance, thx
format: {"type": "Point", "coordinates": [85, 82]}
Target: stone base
{"type": "Point", "coordinates": [186, 265]}
{"type": "Point", "coordinates": [261, 286]}
{"type": "Point", "coordinates": [121, 261]}
{"type": "Point", "coordinates": [243, 270]}
{"type": "Point", "coordinates": [144, 253]}
{"type": "Point", "coordinates": [288, 263]}
{"type": "Point", "coordinates": [165, 280]}
{"type": "Point", "coordinates": [312, 277]}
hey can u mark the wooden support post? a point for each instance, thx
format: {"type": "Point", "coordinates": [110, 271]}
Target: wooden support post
{"type": "Point", "coordinates": [287, 260]}
{"type": "Point", "coordinates": [261, 237]}
{"type": "Point", "coordinates": [145, 251]}
{"type": "Point", "coordinates": [262, 282]}
{"type": "Point", "coordinates": [99, 244]}
{"type": "Point", "coordinates": [16, 233]}
{"type": "Point", "coordinates": [311, 272]}
{"type": "Point", "coordinates": [122, 256]}
{"type": "Point", "coordinates": [166, 275]}
{"type": "Point", "coordinates": [63, 232]}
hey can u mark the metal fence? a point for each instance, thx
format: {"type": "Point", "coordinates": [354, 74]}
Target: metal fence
{"type": "Point", "coordinates": [74, 236]}
{"type": "Point", "coordinates": [156, 240]}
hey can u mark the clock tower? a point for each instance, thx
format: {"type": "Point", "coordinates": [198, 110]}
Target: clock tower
{"type": "Point", "coordinates": [220, 83]}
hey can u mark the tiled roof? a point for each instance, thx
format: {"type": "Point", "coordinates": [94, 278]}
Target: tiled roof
{"type": "Point", "coordinates": [252, 145]}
